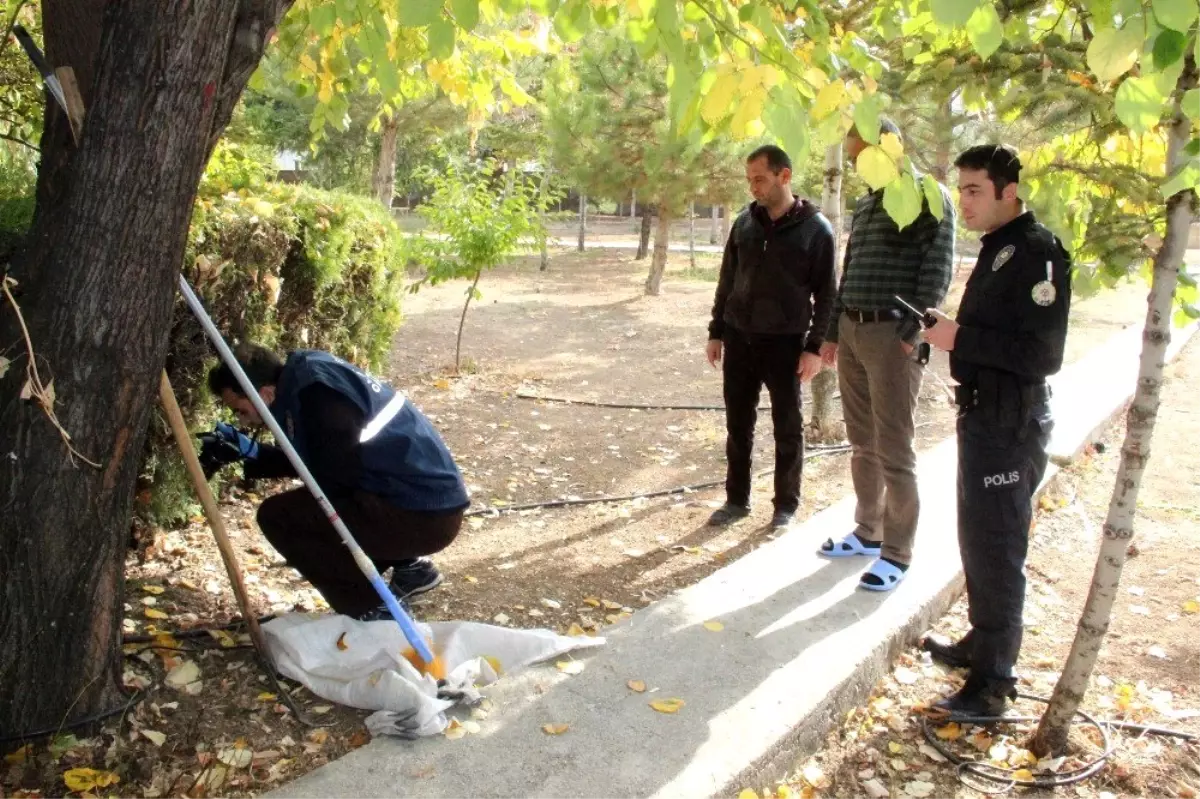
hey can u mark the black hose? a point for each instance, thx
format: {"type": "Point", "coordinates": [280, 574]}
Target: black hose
{"type": "Point", "coordinates": [1004, 776]}
{"type": "Point", "coordinates": [74, 725]}
{"type": "Point", "coordinates": [564, 503]}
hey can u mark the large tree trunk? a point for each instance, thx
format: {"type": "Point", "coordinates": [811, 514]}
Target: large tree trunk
{"type": "Point", "coordinates": [96, 287]}
{"type": "Point", "coordinates": [644, 234]}
{"type": "Point", "coordinates": [1051, 735]}
{"type": "Point", "coordinates": [945, 137]}
{"type": "Point", "coordinates": [658, 264]}
{"type": "Point", "coordinates": [692, 235]}
{"type": "Point", "coordinates": [825, 423]}
{"type": "Point", "coordinates": [714, 235]}
{"type": "Point", "coordinates": [383, 182]}
{"type": "Point", "coordinates": [582, 220]}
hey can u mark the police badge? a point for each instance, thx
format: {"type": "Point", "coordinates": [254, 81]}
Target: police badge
{"type": "Point", "coordinates": [1002, 257]}
{"type": "Point", "coordinates": [1043, 291]}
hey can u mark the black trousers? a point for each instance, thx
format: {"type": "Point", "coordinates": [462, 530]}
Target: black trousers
{"type": "Point", "coordinates": [749, 363]}
{"type": "Point", "coordinates": [1001, 461]}
{"type": "Point", "coordinates": [296, 526]}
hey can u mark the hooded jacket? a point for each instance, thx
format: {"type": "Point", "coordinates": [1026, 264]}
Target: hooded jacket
{"type": "Point", "coordinates": [777, 277]}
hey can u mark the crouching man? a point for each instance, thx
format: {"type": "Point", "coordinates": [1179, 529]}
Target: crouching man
{"type": "Point", "coordinates": [382, 464]}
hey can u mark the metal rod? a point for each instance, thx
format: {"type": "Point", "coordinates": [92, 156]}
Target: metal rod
{"type": "Point", "coordinates": [407, 626]}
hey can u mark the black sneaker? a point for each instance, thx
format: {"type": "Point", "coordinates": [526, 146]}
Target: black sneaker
{"type": "Point", "coordinates": [978, 698]}
{"type": "Point", "coordinates": [956, 654]}
{"type": "Point", "coordinates": [413, 577]}
{"type": "Point", "coordinates": [381, 613]}
{"type": "Point", "coordinates": [728, 514]}
{"type": "Point", "coordinates": [782, 519]}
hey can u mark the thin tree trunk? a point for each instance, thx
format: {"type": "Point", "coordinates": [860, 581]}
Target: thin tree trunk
{"type": "Point", "coordinates": [97, 287]}
{"type": "Point", "coordinates": [945, 136]}
{"type": "Point", "coordinates": [542, 193]}
{"type": "Point", "coordinates": [658, 264]}
{"type": "Point", "coordinates": [726, 222]}
{"type": "Point", "coordinates": [633, 205]}
{"type": "Point", "coordinates": [1051, 735]}
{"type": "Point", "coordinates": [715, 235]}
{"type": "Point", "coordinates": [582, 220]}
{"type": "Point", "coordinates": [825, 424]}
{"type": "Point", "coordinates": [383, 182]}
{"type": "Point", "coordinates": [472, 293]}
{"type": "Point", "coordinates": [644, 235]}
{"type": "Point", "coordinates": [692, 235]}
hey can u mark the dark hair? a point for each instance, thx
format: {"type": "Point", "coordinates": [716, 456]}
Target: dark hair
{"type": "Point", "coordinates": [999, 160]}
{"type": "Point", "coordinates": [262, 366]}
{"type": "Point", "coordinates": [777, 159]}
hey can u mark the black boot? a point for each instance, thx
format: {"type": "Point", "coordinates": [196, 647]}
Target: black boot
{"type": "Point", "coordinates": [978, 697]}
{"type": "Point", "coordinates": [956, 654]}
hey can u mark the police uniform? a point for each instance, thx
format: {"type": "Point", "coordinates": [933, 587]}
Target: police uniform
{"type": "Point", "coordinates": [1013, 327]}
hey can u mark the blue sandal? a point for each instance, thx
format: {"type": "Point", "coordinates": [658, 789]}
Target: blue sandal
{"type": "Point", "coordinates": [848, 547]}
{"type": "Point", "coordinates": [887, 573]}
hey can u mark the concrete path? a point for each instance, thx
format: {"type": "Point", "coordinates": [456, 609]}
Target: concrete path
{"type": "Point", "coordinates": [632, 244]}
{"type": "Point", "coordinates": [800, 646]}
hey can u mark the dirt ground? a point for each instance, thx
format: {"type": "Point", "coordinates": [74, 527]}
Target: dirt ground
{"type": "Point", "coordinates": [583, 331]}
{"type": "Point", "coordinates": [1149, 663]}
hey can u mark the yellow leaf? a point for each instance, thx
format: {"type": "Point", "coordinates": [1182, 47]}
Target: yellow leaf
{"type": "Point", "coordinates": [876, 167]}
{"type": "Point", "coordinates": [637, 686]}
{"type": "Point", "coordinates": [667, 705]}
{"type": "Point", "coordinates": [18, 757]}
{"type": "Point", "coordinates": [223, 638]}
{"type": "Point", "coordinates": [895, 748]}
{"type": "Point", "coordinates": [747, 793]}
{"type": "Point", "coordinates": [610, 605]}
{"type": "Point", "coordinates": [951, 732]}
{"type": "Point", "coordinates": [714, 626]}
{"type": "Point", "coordinates": [85, 779]}
{"type": "Point", "coordinates": [716, 103]}
{"type": "Point", "coordinates": [829, 99]}
{"type": "Point", "coordinates": [1191, 606]}
{"type": "Point", "coordinates": [592, 601]}
{"type": "Point", "coordinates": [555, 729]}
{"type": "Point", "coordinates": [341, 643]}
{"type": "Point", "coordinates": [570, 666]}
{"type": "Point", "coordinates": [892, 145]}
{"type": "Point", "coordinates": [471, 579]}
{"type": "Point", "coordinates": [784, 792]}
{"type": "Point", "coordinates": [576, 630]}
{"type": "Point", "coordinates": [267, 696]}
{"type": "Point", "coordinates": [153, 589]}
{"type": "Point", "coordinates": [441, 383]}
{"type": "Point", "coordinates": [494, 662]}
{"type": "Point", "coordinates": [152, 613]}
{"type": "Point", "coordinates": [1023, 774]}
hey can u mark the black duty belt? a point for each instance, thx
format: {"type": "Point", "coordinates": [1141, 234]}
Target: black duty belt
{"type": "Point", "coordinates": [885, 315]}
{"type": "Point", "coordinates": [969, 396]}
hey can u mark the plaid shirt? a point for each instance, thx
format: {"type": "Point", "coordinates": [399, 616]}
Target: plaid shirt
{"type": "Point", "coordinates": [916, 263]}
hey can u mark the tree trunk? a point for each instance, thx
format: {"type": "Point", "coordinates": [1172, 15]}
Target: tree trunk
{"type": "Point", "coordinates": [472, 293]}
{"type": "Point", "coordinates": [633, 205]}
{"type": "Point", "coordinates": [582, 220]}
{"type": "Point", "coordinates": [542, 193]}
{"type": "Point", "coordinates": [714, 235]}
{"type": "Point", "coordinates": [658, 264]}
{"type": "Point", "coordinates": [692, 235]}
{"type": "Point", "coordinates": [96, 288]}
{"type": "Point", "coordinates": [383, 182]}
{"type": "Point", "coordinates": [726, 221]}
{"type": "Point", "coordinates": [945, 136]}
{"type": "Point", "coordinates": [826, 426]}
{"type": "Point", "coordinates": [644, 236]}
{"type": "Point", "coordinates": [1051, 735]}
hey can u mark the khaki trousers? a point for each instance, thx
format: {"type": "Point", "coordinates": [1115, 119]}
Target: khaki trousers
{"type": "Point", "coordinates": [880, 385]}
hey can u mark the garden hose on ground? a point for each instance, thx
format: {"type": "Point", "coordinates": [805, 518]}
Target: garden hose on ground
{"type": "Point", "coordinates": [1004, 777]}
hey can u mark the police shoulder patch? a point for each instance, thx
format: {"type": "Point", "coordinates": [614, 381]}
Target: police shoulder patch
{"type": "Point", "coordinates": [1003, 257]}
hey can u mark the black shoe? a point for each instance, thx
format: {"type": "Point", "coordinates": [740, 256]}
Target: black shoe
{"type": "Point", "coordinates": [956, 654]}
{"type": "Point", "coordinates": [381, 613]}
{"type": "Point", "coordinates": [979, 698]}
{"type": "Point", "coordinates": [782, 519]}
{"type": "Point", "coordinates": [413, 577]}
{"type": "Point", "coordinates": [728, 514]}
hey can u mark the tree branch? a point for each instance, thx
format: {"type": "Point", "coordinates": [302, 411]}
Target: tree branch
{"type": "Point", "coordinates": [33, 147]}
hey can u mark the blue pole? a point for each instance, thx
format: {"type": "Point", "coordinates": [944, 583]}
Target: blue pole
{"type": "Point", "coordinates": [364, 563]}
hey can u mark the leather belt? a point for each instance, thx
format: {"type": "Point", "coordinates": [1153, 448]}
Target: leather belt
{"type": "Point", "coordinates": [885, 315]}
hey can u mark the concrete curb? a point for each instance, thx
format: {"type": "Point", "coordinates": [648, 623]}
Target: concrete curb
{"type": "Point", "coordinates": [800, 646]}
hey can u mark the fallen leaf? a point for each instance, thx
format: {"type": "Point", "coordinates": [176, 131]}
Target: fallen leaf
{"type": "Point", "coordinates": [18, 757]}
{"type": "Point", "coordinates": [1139, 610]}
{"type": "Point", "coordinates": [237, 756]}
{"type": "Point", "coordinates": [919, 788]}
{"type": "Point", "coordinates": [472, 727]}
{"type": "Point", "coordinates": [441, 383]}
{"type": "Point", "coordinates": [85, 779]}
{"type": "Point", "coordinates": [667, 705]}
{"type": "Point", "coordinates": [931, 753]}
{"type": "Point", "coordinates": [1157, 652]}
{"type": "Point", "coordinates": [153, 613]}
{"type": "Point", "coordinates": [783, 792]}
{"type": "Point", "coordinates": [610, 605]}
{"type": "Point", "coordinates": [1191, 606]}
{"type": "Point", "coordinates": [471, 579]}
{"type": "Point", "coordinates": [637, 686]}
{"type": "Point", "coordinates": [501, 618]}
{"type": "Point", "coordinates": [223, 638]}
{"type": "Point", "coordinates": [555, 729]}
{"type": "Point", "coordinates": [576, 631]}
{"type": "Point", "coordinates": [341, 643]}
{"type": "Point", "coordinates": [154, 737]}
{"type": "Point", "coordinates": [714, 626]}
{"type": "Point", "coordinates": [1051, 764]}
{"type": "Point", "coordinates": [153, 589]}
{"type": "Point", "coordinates": [319, 736]}
{"type": "Point", "coordinates": [898, 764]}
{"type": "Point", "coordinates": [905, 676]}
{"type": "Point", "coordinates": [267, 696]}
{"type": "Point", "coordinates": [454, 732]}
{"type": "Point", "coordinates": [1023, 775]}
{"type": "Point", "coordinates": [553, 604]}
{"type": "Point", "coordinates": [570, 666]}
{"type": "Point", "coordinates": [633, 553]}
{"type": "Point", "coordinates": [747, 793]}
{"type": "Point", "coordinates": [494, 662]}
{"type": "Point", "coordinates": [592, 601]}
{"type": "Point", "coordinates": [875, 789]}
{"type": "Point", "coordinates": [184, 676]}
{"type": "Point", "coordinates": [981, 741]}
{"type": "Point", "coordinates": [321, 710]}
{"type": "Point", "coordinates": [999, 752]}
{"type": "Point", "coordinates": [814, 776]}
{"type": "Point", "coordinates": [951, 732]}
{"type": "Point", "coordinates": [895, 748]}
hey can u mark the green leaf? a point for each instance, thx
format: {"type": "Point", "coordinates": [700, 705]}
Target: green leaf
{"type": "Point", "coordinates": [933, 197]}
{"type": "Point", "coordinates": [954, 12]}
{"type": "Point", "coordinates": [876, 167]}
{"type": "Point", "coordinates": [441, 38]}
{"type": "Point", "coordinates": [666, 14]}
{"type": "Point", "coordinates": [866, 117]}
{"type": "Point", "coordinates": [322, 18]}
{"type": "Point", "coordinates": [466, 12]}
{"type": "Point", "coordinates": [1191, 106]}
{"type": "Point", "coordinates": [1139, 105]}
{"type": "Point", "coordinates": [985, 31]}
{"type": "Point", "coordinates": [1168, 48]}
{"type": "Point", "coordinates": [1187, 177]}
{"type": "Point", "coordinates": [902, 201]}
{"type": "Point", "coordinates": [1176, 14]}
{"type": "Point", "coordinates": [1113, 52]}
{"type": "Point", "coordinates": [785, 120]}
{"type": "Point", "coordinates": [415, 13]}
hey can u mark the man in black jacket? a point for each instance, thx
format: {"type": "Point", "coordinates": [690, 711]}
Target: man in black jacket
{"type": "Point", "coordinates": [769, 319]}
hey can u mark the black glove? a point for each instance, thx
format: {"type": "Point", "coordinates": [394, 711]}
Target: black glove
{"type": "Point", "coordinates": [223, 446]}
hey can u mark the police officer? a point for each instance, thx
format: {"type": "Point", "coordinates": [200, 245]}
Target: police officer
{"type": "Point", "coordinates": [1009, 336]}
{"type": "Point", "coordinates": [381, 463]}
